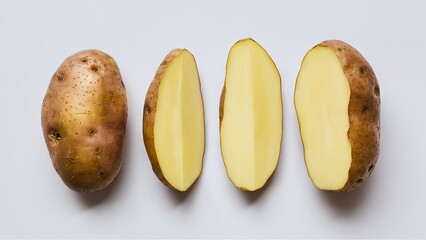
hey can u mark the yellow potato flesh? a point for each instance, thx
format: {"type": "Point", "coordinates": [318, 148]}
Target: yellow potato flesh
{"type": "Point", "coordinates": [321, 100]}
{"type": "Point", "coordinates": [179, 123]}
{"type": "Point", "coordinates": [251, 128]}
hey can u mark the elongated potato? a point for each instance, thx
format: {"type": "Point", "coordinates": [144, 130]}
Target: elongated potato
{"type": "Point", "coordinates": [84, 116]}
{"type": "Point", "coordinates": [337, 99]}
{"type": "Point", "coordinates": [173, 121]}
{"type": "Point", "coordinates": [251, 116]}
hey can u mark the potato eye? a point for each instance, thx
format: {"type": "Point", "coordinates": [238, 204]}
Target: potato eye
{"type": "Point", "coordinates": [95, 68]}
{"type": "Point", "coordinates": [54, 136]}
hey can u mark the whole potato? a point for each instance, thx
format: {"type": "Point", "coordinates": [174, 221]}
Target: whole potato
{"type": "Point", "coordinates": [84, 116]}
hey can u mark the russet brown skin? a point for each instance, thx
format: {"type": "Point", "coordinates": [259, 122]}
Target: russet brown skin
{"type": "Point", "coordinates": [84, 117]}
{"type": "Point", "coordinates": [363, 110]}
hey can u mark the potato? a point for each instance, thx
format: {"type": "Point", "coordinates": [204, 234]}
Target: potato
{"type": "Point", "coordinates": [251, 116]}
{"type": "Point", "coordinates": [337, 100]}
{"type": "Point", "coordinates": [173, 121]}
{"type": "Point", "coordinates": [84, 116]}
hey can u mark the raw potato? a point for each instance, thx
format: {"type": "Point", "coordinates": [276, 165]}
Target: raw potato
{"type": "Point", "coordinates": [173, 121]}
{"type": "Point", "coordinates": [251, 117]}
{"type": "Point", "coordinates": [84, 116]}
{"type": "Point", "coordinates": [337, 99]}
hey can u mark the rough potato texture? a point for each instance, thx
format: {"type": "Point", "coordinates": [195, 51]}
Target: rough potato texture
{"type": "Point", "coordinates": [364, 112]}
{"type": "Point", "coordinates": [84, 116]}
{"type": "Point", "coordinates": [149, 112]}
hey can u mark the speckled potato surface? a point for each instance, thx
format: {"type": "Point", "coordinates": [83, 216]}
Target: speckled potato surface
{"type": "Point", "coordinates": [363, 114]}
{"type": "Point", "coordinates": [84, 116]}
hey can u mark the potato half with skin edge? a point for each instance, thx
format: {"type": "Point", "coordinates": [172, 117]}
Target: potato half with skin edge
{"type": "Point", "coordinates": [84, 115]}
{"type": "Point", "coordinates": [251, 117]}
{"type": "Point", "coordinates": [337, 100]}
{"type": "Point", "coordinates": [173, 121]}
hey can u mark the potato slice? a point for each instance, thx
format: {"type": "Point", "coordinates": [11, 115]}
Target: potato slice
{"type": "Point", "coordinates": [173, 121]}
{"type": "Point", "coordinates": [251, 116]}
{"type": "Point", "coordinates": [338, 106]}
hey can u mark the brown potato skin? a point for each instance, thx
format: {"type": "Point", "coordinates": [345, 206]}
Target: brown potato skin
{"type": "Point", "coordinates": [149, 112]}
{"type": "Point", "coordinates": [363, 110]}
{"type": "Point", "coordinates": [84, 115]}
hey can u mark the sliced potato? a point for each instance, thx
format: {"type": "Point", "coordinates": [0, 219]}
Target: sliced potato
{"type": "Point", "coordinates": [250, 116]}
{"type": "Point", "coordinates": [337, 101]}
{"type": "Point", "coordinates": [173, 121]}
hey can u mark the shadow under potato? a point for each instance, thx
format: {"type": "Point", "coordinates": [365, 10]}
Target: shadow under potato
{"type": "Point", "coordinates": [104, 195]}
{"type": "Point", "coordinates": [181, 197]}
{"type": "Point", "coordinates": [253, 197]}
{"type": "Point", "coordinates": [347, 202]}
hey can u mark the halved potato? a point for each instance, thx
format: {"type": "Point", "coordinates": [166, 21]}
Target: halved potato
{"type": "Point", "coordinates": [337, 101]}
{"type": "Point", "coordinates": [173, 121]}
{"type": "Point", "coordinates": [251, 117]}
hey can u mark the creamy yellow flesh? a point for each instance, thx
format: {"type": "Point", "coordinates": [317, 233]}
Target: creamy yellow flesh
{"type": "Point", "coordinates": [179, 123]}
{"type": "Point", "coordinates": [251, 128]}
{"type": "Point", "coordinates": [321, 98]}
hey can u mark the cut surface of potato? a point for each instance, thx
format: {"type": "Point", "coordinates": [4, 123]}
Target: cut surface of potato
{"type": "Point", "coordinates": [250, 116]}
{"type": "Point", "coordinates": [322, 105]}
{"type": "Point", "coordinates": [177, 124]}
{"type": "Point", "coordinates": [337, 100]}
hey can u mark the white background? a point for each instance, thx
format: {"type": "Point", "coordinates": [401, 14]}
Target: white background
{"type": "Point", "coordinates": [36, 36]}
